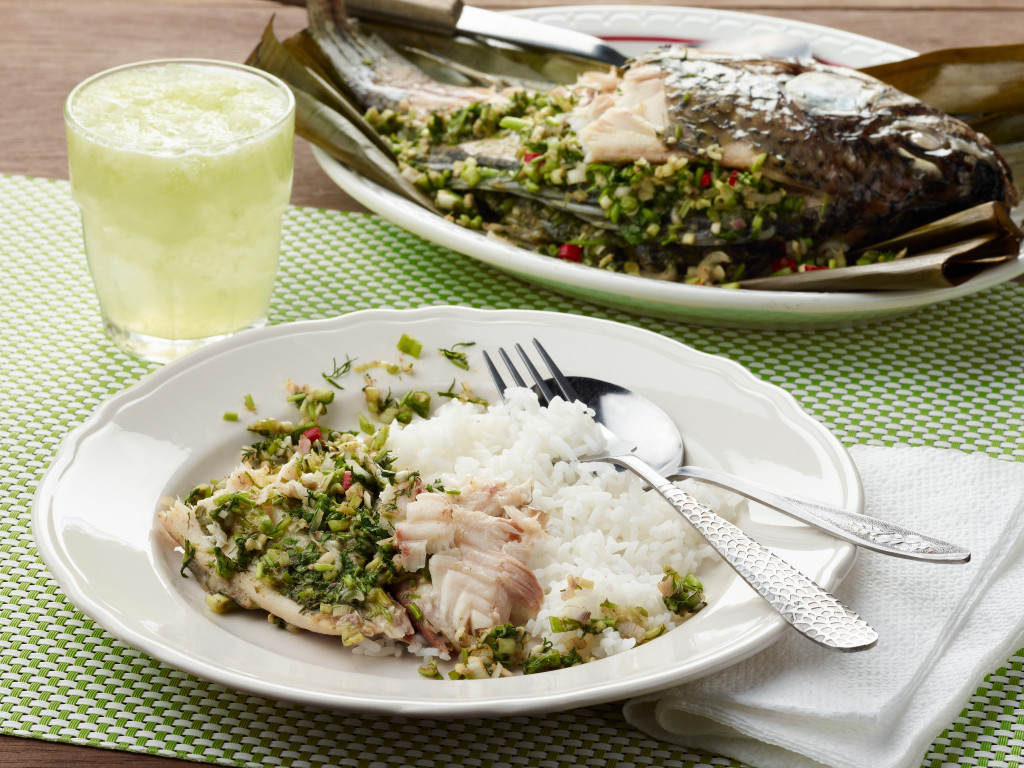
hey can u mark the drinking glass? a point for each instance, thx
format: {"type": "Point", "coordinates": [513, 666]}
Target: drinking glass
{"type": "Point", "coordinates": [182, 170]}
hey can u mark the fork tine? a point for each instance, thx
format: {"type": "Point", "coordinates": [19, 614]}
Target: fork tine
{"type": "Point", "coordinates": [546, 394]}
{"type": "Point", "coordinates": [543, 391]}
{"type": "Point", "coordinates": [499, 382]}
{"type": "Point", "coordinates": [565, 389]}
{"type": "Point", "coordinates": [519, 381]}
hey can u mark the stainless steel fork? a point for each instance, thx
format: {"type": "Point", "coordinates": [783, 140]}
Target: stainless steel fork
{"type": "Point", "coordinates": [805, 605]}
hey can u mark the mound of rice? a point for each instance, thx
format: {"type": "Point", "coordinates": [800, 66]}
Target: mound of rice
{"type": "Point", "coordinates": [603, 527]}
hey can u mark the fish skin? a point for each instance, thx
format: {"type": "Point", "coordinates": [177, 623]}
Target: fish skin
{"type": "Point", "coordinates": [886, 161]}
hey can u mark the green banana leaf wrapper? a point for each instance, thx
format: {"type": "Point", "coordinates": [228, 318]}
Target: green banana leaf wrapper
{"type": "Point", "coordinates": [942, 254]}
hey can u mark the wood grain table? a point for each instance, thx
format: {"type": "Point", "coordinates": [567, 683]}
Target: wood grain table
{"type": "Point", "coordinates": [50, 45]}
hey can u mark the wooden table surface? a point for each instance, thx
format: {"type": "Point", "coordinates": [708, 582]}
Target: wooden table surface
{"type": "Point", "coordinates": [50, 45]}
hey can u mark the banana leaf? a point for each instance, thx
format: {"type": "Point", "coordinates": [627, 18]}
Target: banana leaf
{"type": "Point", "coordinates": [275, 57]}
{"type": "Point", "coordinates": [941, 254]}
{"type": "Point", "coordinates": [325, 118]}
{"type": "Point", "coordinates": [1013, 154]}
{"type": "Point", "coordinates": [1002, 129]}
{"type": "Point", "coordinates": [962, 81]}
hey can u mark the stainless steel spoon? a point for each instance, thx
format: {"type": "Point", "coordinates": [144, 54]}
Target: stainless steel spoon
{"type": "Point", "coordinates": [659, 443]}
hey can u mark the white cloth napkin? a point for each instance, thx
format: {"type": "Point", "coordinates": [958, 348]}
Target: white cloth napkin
{"type": "Point", "coordinates": [941, 628]}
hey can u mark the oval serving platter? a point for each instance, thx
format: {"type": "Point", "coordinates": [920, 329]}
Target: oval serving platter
{"type": "Point", "coordinates": [634, 29]}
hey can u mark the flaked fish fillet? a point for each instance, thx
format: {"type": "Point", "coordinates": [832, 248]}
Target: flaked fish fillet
{"type": "Point", "coordinates": [475, 546]}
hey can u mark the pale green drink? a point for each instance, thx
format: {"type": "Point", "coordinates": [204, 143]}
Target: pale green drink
{"type": "Point", "coordinates": [182, 170]}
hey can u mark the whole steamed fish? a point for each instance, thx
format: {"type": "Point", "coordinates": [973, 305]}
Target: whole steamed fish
{"type": "Point", "coordinates": [684, 165]}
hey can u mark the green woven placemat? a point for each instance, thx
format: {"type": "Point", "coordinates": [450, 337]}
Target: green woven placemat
{"type": "Point", "coordinates": [950, 375]}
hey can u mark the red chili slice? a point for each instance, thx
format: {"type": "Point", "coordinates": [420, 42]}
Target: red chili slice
{"type": "Point", "coordinates": [732, 178]}
{"type": "Point", "coordinates": [570, 252]}
{"type": "Point", "coordinates": [313, 434]}
{"type": "Point", "coordinates": [705, 180]}
{"type": "Point", "coordinates": [529, 156]}
{"type": "Point", "coordinates": [786, 262]}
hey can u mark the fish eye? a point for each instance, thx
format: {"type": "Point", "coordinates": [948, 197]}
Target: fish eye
{"type": "Point", "coordinates": [925, 140]}
{"type": "Point", "coordinates": [921, 138]}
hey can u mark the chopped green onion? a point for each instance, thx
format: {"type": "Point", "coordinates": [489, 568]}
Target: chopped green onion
{"type": "Point", "coordinates": [410, 346]}
{"type": "Point", "coordinates": [224, 565]}
{"type": "Point", "coordinates": [429, 670]}
{"type": "Point", "coordinates": [188, 557]}
{"type": "Point", "coordinates": [365, 424]}
{"type": "Point", "coordinates": [514, 123]}
{"type": "Point", "coordinates": [685, 593]}
{"type": "Point", "coordinates": [417, 402]}
{"type": "Point", "coordinates": [219, 603]}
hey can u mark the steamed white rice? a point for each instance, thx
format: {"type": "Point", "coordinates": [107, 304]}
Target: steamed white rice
{"type": "Point", "coordinates": [603, 527]}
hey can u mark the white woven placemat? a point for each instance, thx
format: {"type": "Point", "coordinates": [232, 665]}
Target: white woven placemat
{"type": "Point", "coordinates": [951, 375]}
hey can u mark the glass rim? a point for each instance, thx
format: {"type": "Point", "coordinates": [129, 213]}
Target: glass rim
{"type": "Point", "coordinates": [287, 114]}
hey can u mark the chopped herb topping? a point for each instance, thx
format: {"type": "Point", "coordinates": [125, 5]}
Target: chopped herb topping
{"type": "Point", "coordinates": [458, 359]}
{"type": "Point", "coordinates": [548, 657]}
{"type": "Point", "coordinates": [465, 394]}
{"type": "Point", "coordinates": [682, 594]}
{"type": "Point", "coordinates": [660, 219]}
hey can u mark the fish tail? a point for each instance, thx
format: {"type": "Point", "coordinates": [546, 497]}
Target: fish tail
{"type": "Point", "coordinates": [373, 72]}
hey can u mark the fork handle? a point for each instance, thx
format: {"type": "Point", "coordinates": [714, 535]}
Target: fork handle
{"type": "Point", "coordinates": [862, 530]}
{"type": "Point", "coordinates": [809, 608]}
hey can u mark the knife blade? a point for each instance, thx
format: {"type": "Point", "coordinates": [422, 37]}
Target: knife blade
{"type": "Point", "coordinates": [451, 17]}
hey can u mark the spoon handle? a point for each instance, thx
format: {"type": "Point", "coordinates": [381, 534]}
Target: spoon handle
{"type": "Point", "coordinates": [805, 605]}
{"type": "Point", "coordinates": [868, 532]}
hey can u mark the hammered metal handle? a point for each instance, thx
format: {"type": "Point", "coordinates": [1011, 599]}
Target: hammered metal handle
{"type": "Point", "coordinates": [805, 605]}
{"type": "Point", "coordinates": [868, 532]}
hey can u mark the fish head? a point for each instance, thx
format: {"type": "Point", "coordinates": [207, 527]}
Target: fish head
{"type": "Point", "coordinates": [867, 159]}
{"type": "Point", "coordinates": [925, 147]}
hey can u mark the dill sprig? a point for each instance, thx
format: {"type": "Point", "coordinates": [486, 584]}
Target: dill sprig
{"type": "Point", "coordinates": [339, 370]}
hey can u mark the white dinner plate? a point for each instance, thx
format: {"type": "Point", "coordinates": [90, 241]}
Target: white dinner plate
{"type": "Point", "coordinates": [94, 513]}
{"type": "Point", "coordinates": [634, 29]}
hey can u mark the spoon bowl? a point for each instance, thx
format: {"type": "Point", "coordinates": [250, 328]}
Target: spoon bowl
{"type": "Point", "coordinates": [635, 419]}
